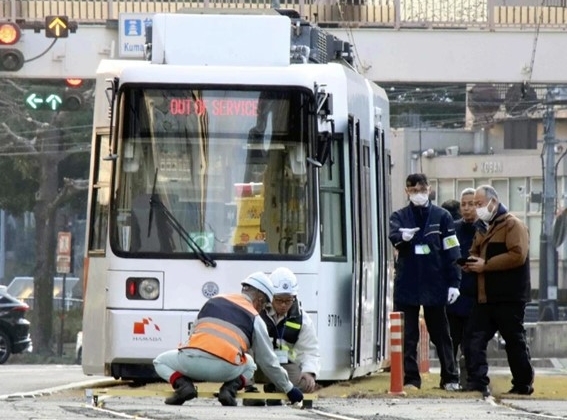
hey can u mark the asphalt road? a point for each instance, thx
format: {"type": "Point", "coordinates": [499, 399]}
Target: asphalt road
{"type": "Point", "coordinates": [21, 379]}
{"type": "Point", "coordinates": [49, 392]}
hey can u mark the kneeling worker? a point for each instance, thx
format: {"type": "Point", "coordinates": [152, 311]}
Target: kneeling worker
{"type": "Point", "coordinates": [293, 336]}
{"type": "Point", "coordinates": [228, 327]}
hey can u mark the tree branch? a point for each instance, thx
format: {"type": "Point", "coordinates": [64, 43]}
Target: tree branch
{"type": "Point", "coordinates": [70, 188]}
{"type": "Point", "coordinates": [25, 143]}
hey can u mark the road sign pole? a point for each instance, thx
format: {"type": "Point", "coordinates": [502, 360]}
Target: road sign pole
{"type": "Point", "coordinates": [62, 317]}
{"type": "Point", "coordinates": [63, 267]}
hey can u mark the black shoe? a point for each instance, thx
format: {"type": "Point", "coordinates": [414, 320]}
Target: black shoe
{"type": "Point", "coordinates": [184, 391]}
{"type": "Point", "coordinates": [227, 392]}
{"type": "Point", "coordinates": [249, 402]}
{"type": "Point", "coordinates": [521, 390]}
{"type": "Point", "coordinates": [483, 389]}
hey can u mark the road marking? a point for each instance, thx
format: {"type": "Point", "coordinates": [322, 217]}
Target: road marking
{"type": "Point", "coordinates": [332, 416]}
{"type": "Point", "coordinates": [115, 413]}
{"type": "Point", "coordinates": [48, 391]}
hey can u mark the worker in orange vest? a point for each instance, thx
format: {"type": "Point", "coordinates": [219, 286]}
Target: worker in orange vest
{"type": "Point", "coordinates": [227, 329]}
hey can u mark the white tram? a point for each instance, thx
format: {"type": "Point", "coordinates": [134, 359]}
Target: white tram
{"type": "Point", "coordinates": [244, 143]}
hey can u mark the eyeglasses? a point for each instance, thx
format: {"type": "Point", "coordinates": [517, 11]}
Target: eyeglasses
{"type": "Point", "coordinates": [284, 301]}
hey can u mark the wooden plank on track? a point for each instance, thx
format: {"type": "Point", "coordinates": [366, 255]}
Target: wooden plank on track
{"type": "Point", "coordinates": [140, 392]}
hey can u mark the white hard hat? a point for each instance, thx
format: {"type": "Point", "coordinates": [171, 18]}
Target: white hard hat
{"type": "Point", "coordinates": [260, 281]}
{"type": "Point", "coordinates": [284, 282]}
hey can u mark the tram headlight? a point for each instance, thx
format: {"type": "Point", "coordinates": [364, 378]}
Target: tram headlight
{"type": "Point", "coordinates": [142, 288]}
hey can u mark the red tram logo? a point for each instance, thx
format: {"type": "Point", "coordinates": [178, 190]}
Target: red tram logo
{"type": "Point", "coordinates": [140, 327]}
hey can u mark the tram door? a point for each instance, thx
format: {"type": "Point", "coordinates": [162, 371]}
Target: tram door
{"type": "Point", "coordinates": [383, 199]}
{"type": "Point", "coordinates": [364, 336]}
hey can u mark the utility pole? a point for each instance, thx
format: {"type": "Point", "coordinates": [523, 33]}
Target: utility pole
{"type": "Point", "coordinates": [548, 254]}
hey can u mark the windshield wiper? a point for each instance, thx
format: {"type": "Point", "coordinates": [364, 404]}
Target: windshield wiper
{"type": "Point", "coordinates": [151, 216]}
{"type": "Point", "coordinates": [178, 227]}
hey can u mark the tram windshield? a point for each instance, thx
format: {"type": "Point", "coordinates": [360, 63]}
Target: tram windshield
{"type": "Point", "coordinates": [227, 168]}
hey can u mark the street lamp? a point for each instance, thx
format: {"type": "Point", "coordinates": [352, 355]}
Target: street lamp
{"type": "Point", "coordinates": [548, 254]}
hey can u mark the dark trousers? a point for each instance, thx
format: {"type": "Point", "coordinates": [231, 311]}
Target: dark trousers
{"type": "Point", "coordinates": [457, 327]}
{"type": "Point", "coordinates": [508, 319]}
{"type": "Point", "coordinates": [438, 328]}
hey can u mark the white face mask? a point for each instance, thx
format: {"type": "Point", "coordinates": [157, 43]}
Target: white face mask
{"type": "Point", "coordinates": [484, 214]}
{"type": "Point", "coordinates": [419, 199]}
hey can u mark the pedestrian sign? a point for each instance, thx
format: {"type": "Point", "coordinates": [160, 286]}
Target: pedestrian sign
{"type": "Point", "coordinates": [56, 26]}
{"type": "Point", "coordinates": [63, 252]}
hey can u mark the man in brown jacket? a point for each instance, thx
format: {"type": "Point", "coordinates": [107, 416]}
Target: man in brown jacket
{"type": "Point", "coordinates": [500, 249]}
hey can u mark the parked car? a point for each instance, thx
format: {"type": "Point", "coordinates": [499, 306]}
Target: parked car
{"type": "Point", "coordinates": [21, 287]}
{"type": "Point", "coordinates": [14, 327]}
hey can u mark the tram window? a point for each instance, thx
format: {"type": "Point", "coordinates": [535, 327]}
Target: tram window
{"type": "Point", "coordinates": [332, 205]}
{"type": "Point", "coordinates": [100, 196]}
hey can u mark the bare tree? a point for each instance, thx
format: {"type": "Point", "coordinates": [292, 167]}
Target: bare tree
{"type": "Point", "coordinates": [43, 139]}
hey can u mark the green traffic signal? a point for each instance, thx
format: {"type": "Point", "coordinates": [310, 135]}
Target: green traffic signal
{"type": "Point", "coordinates": [44, 101]}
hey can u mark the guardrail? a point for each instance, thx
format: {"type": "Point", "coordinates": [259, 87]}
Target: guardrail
{"type": "Point", "coordinates": [396, 14]}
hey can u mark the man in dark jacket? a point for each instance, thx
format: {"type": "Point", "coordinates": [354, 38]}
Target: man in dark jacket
{"type": "Point", "coordinates": [503, 286]}
{"type": "Point", "coordinates": [459, 312]}
{"type": "Point", "coordinates": [425, 275]}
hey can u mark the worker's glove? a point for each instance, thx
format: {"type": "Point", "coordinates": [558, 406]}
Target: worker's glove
{"type": "Point", "coordinates": [453, 295]}
{"type": "Point", "coordinates": [307, 382]}
{"type": "Point", "coordinates": [407, 233]}
{"type": "Point", "coordinates": [295, 395]}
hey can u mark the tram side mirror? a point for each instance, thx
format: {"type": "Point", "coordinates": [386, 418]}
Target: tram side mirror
{"type": "Point", "coordinates": [323, 149]}
{"type": "Point", "coordinates": [111, 92]}
{"type": "Point", "coordinates": [324, 103]}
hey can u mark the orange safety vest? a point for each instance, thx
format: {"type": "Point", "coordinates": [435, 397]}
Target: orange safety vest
{"type": "Point", "coordinates": [224, 328]}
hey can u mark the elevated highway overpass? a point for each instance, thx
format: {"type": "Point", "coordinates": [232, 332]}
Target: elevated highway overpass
{"type": "Point", "coordinates": [394, 41]}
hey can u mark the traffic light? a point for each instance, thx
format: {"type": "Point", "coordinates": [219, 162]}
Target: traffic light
{"type": "Point", "coordinates": [53, 100]}
{"type": "Point", "coordinates": [10, 33]}
{"type": "Point", "coordinates": [57, 94]}
{"type": "Point", "coordinates": [72, 101]}
{"type": "Point", "coordinates": [74, 82]}
{"type": "Point", "coordinates": [73, 98]}
{"type": "Point", "coordinates": [10, 59]}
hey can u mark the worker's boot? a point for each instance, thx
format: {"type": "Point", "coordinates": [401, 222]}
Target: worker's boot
{"type": "Point", "coordinates": [184, 391]}
{"type": "Point", "coordinates": [228, 390]}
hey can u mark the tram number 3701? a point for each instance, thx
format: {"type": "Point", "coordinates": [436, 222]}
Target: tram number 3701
{"type": "Point", "coordinates": [334, 320]}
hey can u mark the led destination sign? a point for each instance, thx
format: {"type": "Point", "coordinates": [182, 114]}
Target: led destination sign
{"type": "Point", "coordinates": [215, 107]}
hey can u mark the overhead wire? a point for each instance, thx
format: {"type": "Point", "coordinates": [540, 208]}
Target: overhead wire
{"type": "Point", "coordinates": [350, 36]}
{"type": "Point", "coordinates": [534, 46]}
